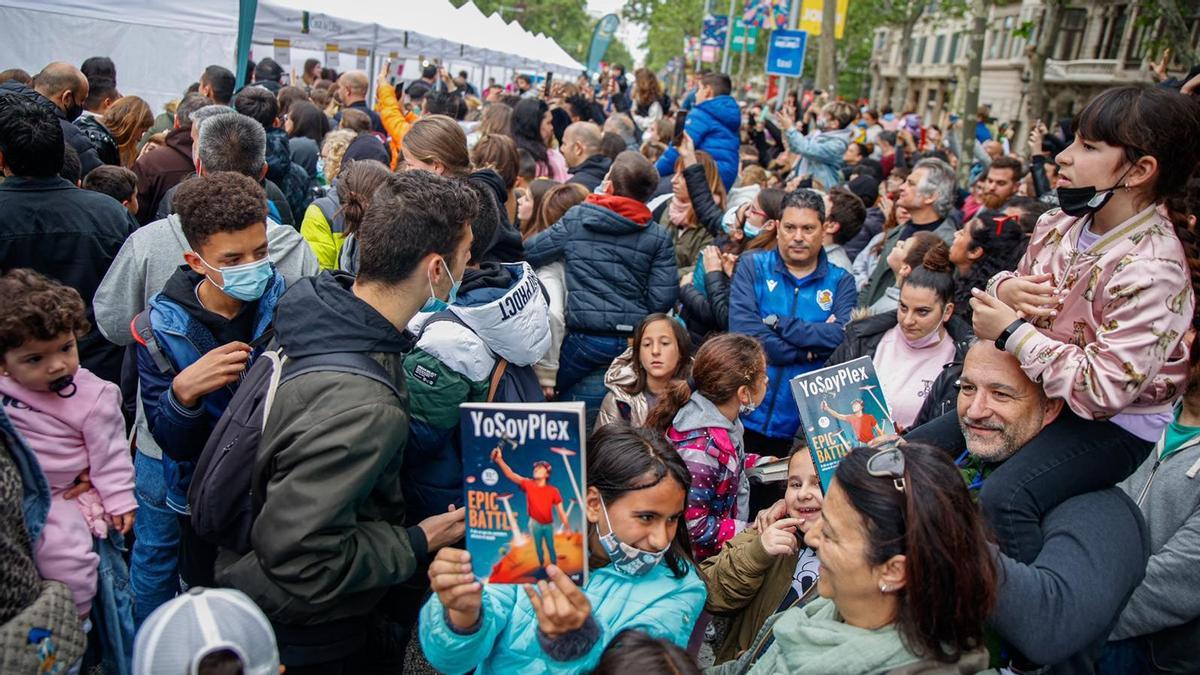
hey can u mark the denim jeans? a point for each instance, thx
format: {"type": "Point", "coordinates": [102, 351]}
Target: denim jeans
{"type": "Point", "coordinates": [543, 532]}
{"type": "Point", "coordinates": [584, 355]}
{"type": "Point", "coordinates": [112, 615]}
{"type": "Point", "coordinates": [154, 573]}
{"type": "Point", "coordinates": [1069, 457]}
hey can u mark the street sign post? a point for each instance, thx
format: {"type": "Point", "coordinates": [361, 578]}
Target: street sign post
{"type": "Point", "coordinates": [785, 54]}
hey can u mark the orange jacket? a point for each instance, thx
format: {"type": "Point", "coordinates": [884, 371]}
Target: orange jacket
{"type": "Point", "coordinates": [395, 120]}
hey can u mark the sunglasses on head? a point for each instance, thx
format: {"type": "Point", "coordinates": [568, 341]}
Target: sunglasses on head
{"type": "Point", "coordinates": [888, 463]}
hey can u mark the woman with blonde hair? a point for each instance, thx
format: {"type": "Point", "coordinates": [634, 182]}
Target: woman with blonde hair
{"type": "Point", "coordinates": [333, 148]}
{"type": "Point", "coordinates": [127, 120]}
{"type": "Point", "coordinates": [496, 121]}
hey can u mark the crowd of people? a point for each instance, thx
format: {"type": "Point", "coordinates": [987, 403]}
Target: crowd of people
{"type": "Point", "coordinates": [238, 334]}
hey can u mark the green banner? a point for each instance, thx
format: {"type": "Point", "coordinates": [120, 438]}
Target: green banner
{"type": "Point", "coordinates": [606, 28]}
{"type": "Point", "coordinates": [744, 38]}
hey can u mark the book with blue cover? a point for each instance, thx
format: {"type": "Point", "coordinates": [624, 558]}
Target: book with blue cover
{"type": "Point", "coordinates": [841, 407]}
{"type": "Point", "coordinates": [524, 482]}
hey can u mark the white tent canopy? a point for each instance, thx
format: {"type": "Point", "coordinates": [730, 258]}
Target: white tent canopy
{"type": "Point", "coordinates": [161, 47]}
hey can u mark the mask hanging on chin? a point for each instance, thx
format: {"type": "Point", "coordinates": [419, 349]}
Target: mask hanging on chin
{"type": "Point", "coordinates": [1083, 201]}
{"type": "Point", "coordinates": [625, 559]}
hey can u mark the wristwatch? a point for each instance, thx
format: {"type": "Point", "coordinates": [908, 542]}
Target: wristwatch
{"type": "Point", "coordinates": [772, 321]}
{"type": "Point", "coordinates": [1002, 340]}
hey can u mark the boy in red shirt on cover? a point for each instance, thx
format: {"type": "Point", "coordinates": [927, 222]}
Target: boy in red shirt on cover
{"type": "Point", "coordinates": [541, 498]}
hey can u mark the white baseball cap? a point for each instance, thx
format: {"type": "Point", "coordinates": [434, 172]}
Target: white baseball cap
{"type": "Point", "coordinates": [177, 636]}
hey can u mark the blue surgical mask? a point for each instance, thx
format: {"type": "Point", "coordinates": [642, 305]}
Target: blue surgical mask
{"type": "Point", "coordinates": [625, 559]}
{"type": "Point", "coordinates": [244, 282]}
{"type": "Point", "coordinates": [436, 304]}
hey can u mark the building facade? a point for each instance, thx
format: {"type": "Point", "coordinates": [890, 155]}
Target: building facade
{"type": "Point", "coordinates": [1100, 45]}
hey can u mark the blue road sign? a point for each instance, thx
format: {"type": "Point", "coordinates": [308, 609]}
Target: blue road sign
{"type": "Point", "coordinates": [785, 56]}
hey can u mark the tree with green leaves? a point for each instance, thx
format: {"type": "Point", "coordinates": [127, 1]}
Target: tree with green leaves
{"type": "Point", "coordinates": [667, 22]}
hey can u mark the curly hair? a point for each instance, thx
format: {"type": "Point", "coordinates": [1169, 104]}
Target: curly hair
{"type": "Point", "coordinates": [223, 201]}
{"type": "Point", "coordinates": [34, 307]}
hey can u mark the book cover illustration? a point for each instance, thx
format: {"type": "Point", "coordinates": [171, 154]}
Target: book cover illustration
{"type": "Point", "coordinates": [841, 408]}
{"type": "Point", "coordinates": [523, 477]}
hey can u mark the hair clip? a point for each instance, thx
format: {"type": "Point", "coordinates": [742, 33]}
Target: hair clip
{"type": "Point", "coordinates": [1002, 220]}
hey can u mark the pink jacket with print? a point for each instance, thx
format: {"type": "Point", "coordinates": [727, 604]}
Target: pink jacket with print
{"type": "Point", "coordinates": [1115, 346]}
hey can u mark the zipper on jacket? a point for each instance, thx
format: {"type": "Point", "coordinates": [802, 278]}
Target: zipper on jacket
{"type": "Point", "coordinates": [1153, 470]}
{"type": "Point", "coordinates": [775, 383]}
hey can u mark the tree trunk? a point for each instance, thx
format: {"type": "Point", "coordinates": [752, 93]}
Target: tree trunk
{"type": "Point", "coordinates": [900, 95]}
{"type": "Point", "coordinates": [827, 56]}
{"type": "Point", "coordinates": [1051, 23]}
{"type": "Point", "coordinates": [979, 14]}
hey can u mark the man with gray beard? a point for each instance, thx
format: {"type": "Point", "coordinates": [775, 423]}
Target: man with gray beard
{"type": "Point", "coordinates": [1058, 609]}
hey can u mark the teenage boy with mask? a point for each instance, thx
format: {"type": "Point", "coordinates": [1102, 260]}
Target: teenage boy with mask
{"type": "Point", "coordinates": [331, 538]}
{"type": "Point", "coordinates": [201, 327]}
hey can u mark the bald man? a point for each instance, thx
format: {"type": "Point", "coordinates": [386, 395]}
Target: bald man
{"type": "Point", "coordinates": [581, 149]}
{"type": "Point", "coordinates": [352, 93]}
{"type": "Point", "coordinates": [61, 88]}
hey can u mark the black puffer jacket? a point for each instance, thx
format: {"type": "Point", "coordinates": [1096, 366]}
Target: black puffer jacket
{"type": "Point", "coordinates": [100, 138]}
{"type": "Point", "coordinates": [618, 270]}
{"type": "Point", "coordinates": [88, 159]}
{"type": "Point", "coordinates": [705, 312]}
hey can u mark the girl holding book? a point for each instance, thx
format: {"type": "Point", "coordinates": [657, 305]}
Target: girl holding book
{"type": "Point", "coordinates": [641, 575]}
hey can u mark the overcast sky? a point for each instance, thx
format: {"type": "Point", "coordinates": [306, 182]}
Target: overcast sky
{"type": "Point", "coordinates": [631, 35]}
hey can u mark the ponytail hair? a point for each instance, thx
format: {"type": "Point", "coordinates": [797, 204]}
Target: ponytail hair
{"type": "Point", "coordinates": [951, 581]}
{"type": "Point", "coordinates": [934, 273]}
{"type": "Point", "coordinates": [355, 187]}
{"type": "Point", "coordinates": [722, 365]}
{"type": "Point", "coordinates": [1003, 241]}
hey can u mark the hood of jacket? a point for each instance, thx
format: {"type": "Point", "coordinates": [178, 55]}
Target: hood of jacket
{"type": "Point", "coordinates": [620, 375]}
{"type": "Point", "coordinates": [506, 245]}
{"type": "Point", "coordinates": [609, 214]}
{"type": "Point", "coordinates": [725, 110]}
{"type": "Point", "coordinates": [506, 309]}
{"type": "Point", "coordinates": [596, 165]}
{"type": "Point", "coordinates": [278, 152]}
{"type": "Point", "coordinates": [320, 315]}
{"type": "Point", "coordinates": [701, 413]}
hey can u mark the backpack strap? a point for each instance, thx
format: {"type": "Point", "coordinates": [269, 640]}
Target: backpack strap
{"type": "Point", "coordinates": [332, 212]}
{"type": "Point", "coordinates": [143, 334]}
{"type": "Point", "coordinates": [357, 363]}
{"type": "Point", "coordinates": [497, 375]}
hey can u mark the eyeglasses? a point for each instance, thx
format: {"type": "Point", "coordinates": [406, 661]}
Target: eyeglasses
{"type": "Point", "coordinates": [888, 463]}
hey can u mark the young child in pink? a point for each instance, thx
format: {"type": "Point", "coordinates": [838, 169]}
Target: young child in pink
{"type": "Point", "coordinates": [72, 420]}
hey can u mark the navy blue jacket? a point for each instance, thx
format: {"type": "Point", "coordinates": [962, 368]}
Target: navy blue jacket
{"type": "Point", "coordinates": [180, 431]}
{"type": "Point", "coordinates": [618, 271]}
{"type": "Point", "coordinates": [804, 336]}
{"type": "Point", "coordinates": [713, 126]}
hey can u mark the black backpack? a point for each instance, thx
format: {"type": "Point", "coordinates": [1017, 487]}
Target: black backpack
{"type": "Point", "coordinates": [507, 383]}
{"type": "Point", "coordinates": [226, 496]}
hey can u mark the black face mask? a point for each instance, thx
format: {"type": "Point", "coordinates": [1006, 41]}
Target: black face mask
{"type": "Point", "coordinates": [73, 111]}
{"type": "Point", "coordinates": [1082, 201]}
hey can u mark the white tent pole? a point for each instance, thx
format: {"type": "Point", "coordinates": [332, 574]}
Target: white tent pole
{"type": "Point", "coordinates": [372, 70]}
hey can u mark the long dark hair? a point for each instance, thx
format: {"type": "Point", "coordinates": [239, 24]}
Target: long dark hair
{"type": "Point", "coordinates": [1156, 122]}
{"type": "Point", "coordinates": [722, 365]}
{"type": "Point", "coordinates": [951, 578]}
{"type": "Point", "coordinates": [683, 343]}
{"type": "Point", "coordinates": [308, 121]}
{"type": "Point", "coordinates": [527, 127]}
{"type": "Point", "coordinates": [1003, 241]}
{"type": "Point", "coordinates": [623, 459]}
